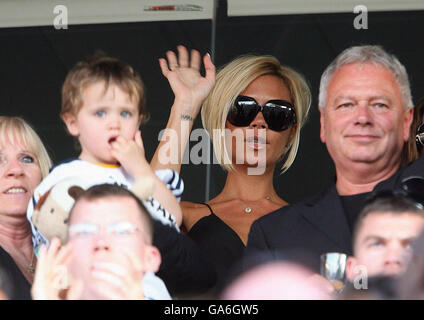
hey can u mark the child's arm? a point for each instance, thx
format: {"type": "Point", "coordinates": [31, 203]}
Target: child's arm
{"type": "Point", "coordinates": [130, 153]}
{"type": "Point", "coordinates": [190, 90]}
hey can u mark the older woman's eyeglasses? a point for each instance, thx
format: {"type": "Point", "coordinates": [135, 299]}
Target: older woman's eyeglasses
{"type": "Point", "coordinates": [420, 135]}
{"type": "Point", "coordinates": [278, 114]}
{"type": "Point", "coordinates": [411, 188]}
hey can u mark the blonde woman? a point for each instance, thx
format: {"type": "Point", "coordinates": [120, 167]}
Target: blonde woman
{"type": "Point", "coordinates": [24, 161]}
{"type": "Point", "coordinates": [255, 111]}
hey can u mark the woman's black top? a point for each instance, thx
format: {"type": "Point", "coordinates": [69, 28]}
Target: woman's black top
{"type": "Point", "coordinates": [12, 281]}
{"type": "Point", "coordinates": [219, 242]}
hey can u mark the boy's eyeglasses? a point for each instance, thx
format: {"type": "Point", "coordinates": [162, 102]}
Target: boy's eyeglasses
{"type": "Point", "coordinates": [278, 114]}
{"type": "Point", "coordinates": [87, 229]}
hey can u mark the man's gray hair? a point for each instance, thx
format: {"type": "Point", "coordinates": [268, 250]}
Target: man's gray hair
{"type": "Point", "coordinates": [368, 54]}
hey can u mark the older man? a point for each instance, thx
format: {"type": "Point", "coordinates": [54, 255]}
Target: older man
{"type": "Point", "coordinates": [365, 112]}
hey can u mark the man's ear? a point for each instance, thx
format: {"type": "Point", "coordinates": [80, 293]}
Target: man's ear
{"type": "Point", "coordinates": [152, 259]}
{"type": "Point", "coordinates": [351, 263]}
{"type": "Point", "coordinates": [409, 117]}
{"type": "Point", "coordinates": [322, 122]}
{"type": "Point", "coordinates": [71, 123]}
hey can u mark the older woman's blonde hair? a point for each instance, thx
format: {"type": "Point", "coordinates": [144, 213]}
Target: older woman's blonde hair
{"type": "Point", "coordinates": [231, 80]}
{"type": "Point", "coordinates": [16, 130]}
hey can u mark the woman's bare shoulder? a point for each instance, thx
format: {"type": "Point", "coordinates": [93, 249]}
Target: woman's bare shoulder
{"type": "Point", "coordinates": [188, 205]}
{"type": "Point", "coordinates": [193, 212]}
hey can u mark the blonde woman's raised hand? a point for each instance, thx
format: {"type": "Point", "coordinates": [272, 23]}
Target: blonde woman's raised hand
{"type": "Point", "coordinates": [183, 73]}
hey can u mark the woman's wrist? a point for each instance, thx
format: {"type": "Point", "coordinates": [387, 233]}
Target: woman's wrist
{"type": "Point", "coordinates": [185, 110]}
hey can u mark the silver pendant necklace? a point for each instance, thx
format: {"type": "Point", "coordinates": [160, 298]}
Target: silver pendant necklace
{"type": "Point", "coordinates": [248, 209]}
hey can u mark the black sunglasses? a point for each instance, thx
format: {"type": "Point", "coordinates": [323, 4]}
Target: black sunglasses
{"type": "Point", "coordinates": [420, 135]}
{"type": "Point", "coordinates": [278, 114]}
{"type": "Point", "coordinates": [411, 188]}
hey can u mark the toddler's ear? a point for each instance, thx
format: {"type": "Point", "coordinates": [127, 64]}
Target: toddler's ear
{"type": "Point", "coordinates": [71, 123]}
{"type": "Point", "coordinates": [140, 119]}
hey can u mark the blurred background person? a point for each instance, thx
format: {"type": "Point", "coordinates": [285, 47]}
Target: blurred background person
{"type": "Point", "coordinates": [383, 236]}
{"type": "Point", "coordinates": [24, 161]}
{"type": "Point", "coordinates": [411, 284]}
{"type": "Point", "coordinates": [263, 277]}
{"type": "Point", "coordinates": [108, 252]}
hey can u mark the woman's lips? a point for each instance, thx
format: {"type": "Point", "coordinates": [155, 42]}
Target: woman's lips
{"type": "Point", "coordinates": [256, 143]}
{"type": "Point", "coordinates": [15, 190]}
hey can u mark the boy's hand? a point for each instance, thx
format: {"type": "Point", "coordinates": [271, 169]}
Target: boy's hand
{"type": "Point", "coordinates": [121, 279]}
{"type": "Point", "coordinates": [130, 154]}
{"type": "Point", "coordinates": [189, 87]}
{"type": "Point", "coordinates": [52, 281]}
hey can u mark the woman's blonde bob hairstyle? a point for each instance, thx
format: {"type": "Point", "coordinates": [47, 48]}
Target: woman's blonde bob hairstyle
{"type": "Point", "coordinates": [16, 130]}
{"type": "Point", "coordinates": [231, 80]}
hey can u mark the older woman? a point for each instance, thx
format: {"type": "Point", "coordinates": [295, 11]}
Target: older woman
{"type": "Point", "coordinates": [259, 106]}
{"type": "Point", "coordinates": [414, 148]}
{"type": "Point", "coordinates": [23, 162]}
{"type": "Point", "coordinates": [417, 127]}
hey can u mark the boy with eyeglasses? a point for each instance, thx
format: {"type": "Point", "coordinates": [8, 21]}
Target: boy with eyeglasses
{"type": "Point", "coordinates": [108, 252]}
